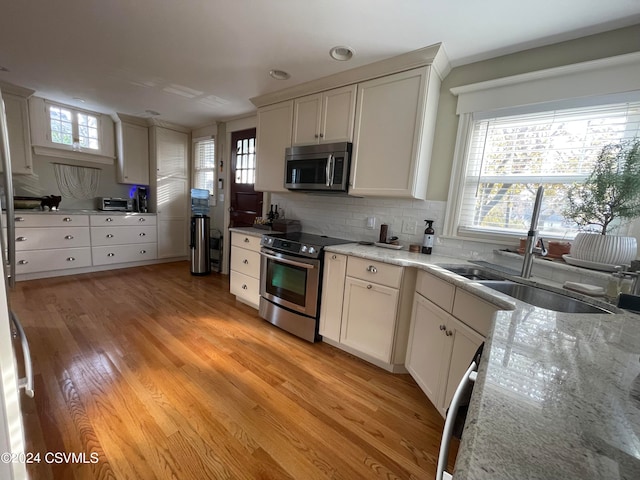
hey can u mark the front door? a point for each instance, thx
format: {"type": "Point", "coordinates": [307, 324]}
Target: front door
{"type": "Point", "coordinates": [246, 203]}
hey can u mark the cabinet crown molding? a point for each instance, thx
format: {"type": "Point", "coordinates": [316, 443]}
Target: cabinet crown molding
{"type": "Point", "coordinates": [433, 56]}
{"type": "Point", "coordinates": [16, 90]}
{"type": "Point", "coordinates": [123, 117]}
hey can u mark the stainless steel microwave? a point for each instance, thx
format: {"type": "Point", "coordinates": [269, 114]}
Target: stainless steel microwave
{"type": "Point", "coordinates": [115, 204]}
{"type": "Point", "coordinates": [323, 167]}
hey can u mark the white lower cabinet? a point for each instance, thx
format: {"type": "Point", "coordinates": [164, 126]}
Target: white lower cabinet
{"type": "Point", "coordinates": [244, 281]}
{"type": "Point", "coordinates": [56, 244]}
{"type": "Point", "coordinates": [333, 278]}
{"type": "Point", "coordinates": [442, 342]}
{"type": "Point", "coordinates": [369, 318]}
{"type": "Point", "coordinates": [372, 321]}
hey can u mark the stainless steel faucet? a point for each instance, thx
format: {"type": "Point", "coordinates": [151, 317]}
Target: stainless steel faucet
{"type": "Point", "coordinates": [532, 237]}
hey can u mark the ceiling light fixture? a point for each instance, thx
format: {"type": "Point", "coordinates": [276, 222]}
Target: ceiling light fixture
{"type": "Point", "coordinates": [341, 53]}
{"type": "Point", "coordinates": [279, 74]}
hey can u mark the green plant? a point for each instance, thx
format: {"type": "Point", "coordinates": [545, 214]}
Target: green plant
{"type": "Point", "coordinates": [612, 190]}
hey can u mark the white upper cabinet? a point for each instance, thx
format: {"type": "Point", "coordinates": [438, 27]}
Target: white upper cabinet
{"type": "Point", "coordinates": [325, 117]}
{"type": "Point", "coordinates": [17, 112]}
{"type": "Point", "coordinates": [273, 137]}
{"type": "Point", "coordinates": [395, 121]}
{"type": "Point", "coordinates": [132, 141]}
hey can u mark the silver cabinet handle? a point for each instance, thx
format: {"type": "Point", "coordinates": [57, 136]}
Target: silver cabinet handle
{"type": "Point", "coordinates": [109, 235]}
{"type": "Point", "coordinates": [322, 135]}
{"type": "Point", "coordinates": [334, 257]}
{"type": "Point", "coordinates": [142, 234]}
{"type": "Point", "coordinates": [443, 327]}
{"type": "Point", "coordinates": [22, 262]}
{"type": "Point", "coordinates": [369, 287]}
{"type": "Point", "coordinates": [111, 254]}
{"type": "Point", "coordinates": [21, 239]}
{"type": "Point", "coordinates": [142, 219]}
{"type": "Point", "coordinates": [19, 219]}
{"type": "Point", "coordinates": [68, 237]}
{"type": "Point", "coordinates": [27, 381]}
{"type": "Point", "coordinates": [143, 252]}
{"type": "Point", "coordinates": [448, 333]}
{"type": "Point", "coordinates": [245, 261]}
{"type": "Point", "coordinates": [372, 269]}
{"type": "Point", "coordinates": [244, 286]}
{"type": "Point", "coordinates": [246, 240]}
{"type": "Point", "coordinates": [71, 259]}
{"type": "Point", "coordinates": [66, 219]}
{"type": "Point", "coordinates": [108, 219]}
{"type": "Point", "coordinates": [315, 136]}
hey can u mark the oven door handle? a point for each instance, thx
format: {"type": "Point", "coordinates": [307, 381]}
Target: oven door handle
{"type": "Point", "coordinates": [288, 262]}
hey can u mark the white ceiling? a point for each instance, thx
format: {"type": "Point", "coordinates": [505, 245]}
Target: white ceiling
{"type": "Point", "coordinates": [136, 55]}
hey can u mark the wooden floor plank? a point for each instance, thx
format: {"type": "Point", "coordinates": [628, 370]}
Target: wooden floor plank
{"type": "Point", "coordinates": [164, 375]}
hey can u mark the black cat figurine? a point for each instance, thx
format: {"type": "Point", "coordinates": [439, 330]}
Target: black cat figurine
{"type": "Point", "coordinates": [52, 201]}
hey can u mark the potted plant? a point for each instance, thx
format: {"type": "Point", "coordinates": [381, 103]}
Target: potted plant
{"type": "Point", "coordinates": [610, 194]}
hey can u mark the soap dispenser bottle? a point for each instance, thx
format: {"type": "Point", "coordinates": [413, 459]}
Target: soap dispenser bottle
{"type": "Point", "coordinates": [427, 240]}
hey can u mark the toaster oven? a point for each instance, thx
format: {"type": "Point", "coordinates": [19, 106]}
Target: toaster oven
{"type": "Point", "coordinates": [115, 204]}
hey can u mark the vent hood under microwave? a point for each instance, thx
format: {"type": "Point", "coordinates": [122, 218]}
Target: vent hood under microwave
{"type": "Point", "coordinates": [318, 168]}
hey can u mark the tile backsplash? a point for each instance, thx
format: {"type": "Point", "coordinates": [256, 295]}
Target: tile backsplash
{"type": "Point", "coordinates": [346, 217]}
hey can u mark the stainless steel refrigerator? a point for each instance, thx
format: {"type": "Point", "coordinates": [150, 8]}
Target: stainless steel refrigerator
{"type": "Point", "coordinates": [12, 442]}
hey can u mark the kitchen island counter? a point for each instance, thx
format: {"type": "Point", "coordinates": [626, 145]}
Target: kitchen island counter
{"type": "Point", "coordinates": [557, 394]}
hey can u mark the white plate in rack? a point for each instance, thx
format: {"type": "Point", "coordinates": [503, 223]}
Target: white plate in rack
{"type": "Point", "coordinates": [604, 267]}
{"type": "Point", "coordinates": [388, 245]}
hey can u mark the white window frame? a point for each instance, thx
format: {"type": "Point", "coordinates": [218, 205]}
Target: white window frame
{"type": "Point", "coordinates": [195, 169]}
{"type": "Point", "coordinates": [75, 134]}
{"type": "Point", "coordinates": [600, 82]}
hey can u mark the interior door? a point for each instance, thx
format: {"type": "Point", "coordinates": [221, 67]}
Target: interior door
{"type": "Point", "coordinates": [246, 203]}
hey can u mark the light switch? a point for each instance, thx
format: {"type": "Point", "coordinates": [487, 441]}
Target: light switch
{"type": "Point", "coordinates": [371, 223]}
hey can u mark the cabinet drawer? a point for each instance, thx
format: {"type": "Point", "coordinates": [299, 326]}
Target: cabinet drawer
{"type": "Point", "coordinates": [123, 235]}
{"type": "Point", "coordinates": [245, 288]}
{"type": "Point", "coordinates": [372, 271]}
{"type": "Point", "coordinates": [473, 311]}
{"type": "Point", "coordinates": [122, 219]}
{"type": "Point", "coordinates": [51, 237]}
{"type": "Point", "coordinates": [245, 241]}
{"type": "Point", "coordinates": [46, 260]}
{"type": "Point", "coordinates": [107, 255]}
{"type": "Point", "coordinates": [245, 261]}
{"type": "Point", "coordinates": [51, 220]}
{"type": "Point", "coordinates": [438, 291]}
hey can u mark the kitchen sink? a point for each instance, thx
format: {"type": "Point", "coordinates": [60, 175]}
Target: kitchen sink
{"type": "Point", "coordinates": [473, 273]}
{"type": "Point", "coordinates": [542, 298]}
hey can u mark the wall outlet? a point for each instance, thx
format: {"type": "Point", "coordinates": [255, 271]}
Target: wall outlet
{"type": "Point", "coordinates": [371, 223]}
{"type": "Point", "coordinates": [409, 227]}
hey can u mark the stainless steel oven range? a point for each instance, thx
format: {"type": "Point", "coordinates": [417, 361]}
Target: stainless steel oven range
{"type": "Point", "coordinates": [291, 281]}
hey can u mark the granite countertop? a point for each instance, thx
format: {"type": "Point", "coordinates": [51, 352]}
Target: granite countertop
{"type": "Point", "coordinates": [71, 211]}
{"type": "Point", "coordinates": [557, 394]}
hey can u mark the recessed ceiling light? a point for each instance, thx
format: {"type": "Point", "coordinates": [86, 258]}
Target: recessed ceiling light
{"type": "Point", "coordinates": [341, 53]}
{"type": "Point", "coordinates": [279, 74]}
{"type": "Point", "coordinates": [79, 99]}
{"type": "Point", "coordinates": [4, 69]}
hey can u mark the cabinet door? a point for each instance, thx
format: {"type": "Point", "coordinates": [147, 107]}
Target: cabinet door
{"type": "Point", "coordinates": [429, 349]}
{"type": "Point", "coordinates": [133, 154]}
{"type": "Point", "coordinates": [369, 318]}
{"type": "Point", "coordinates": [172, 152]}
{"type": "Point", "coordinates": [338, 112]}
{"type": "Point", "coordinates": [306, 119]}
{"type": "Point", "coordinates": [388, 131]}
{"type": "Point", "coordinates": [335, 267]}
{"type": "Point", "coordinates": [16, 108]}
{"type": "Point", "coordinates": [465, 344]}
{"type": "Point", "coordinates": [273, 137]}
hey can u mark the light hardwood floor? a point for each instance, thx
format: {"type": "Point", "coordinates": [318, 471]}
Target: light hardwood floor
{"type": "Point", "coordinates": [163, 375]}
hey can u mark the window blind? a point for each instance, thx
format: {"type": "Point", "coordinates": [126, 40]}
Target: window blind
{"type": "Point", "coordinates": [204, 166]}
{"type": "Point", "coordinates": [509, 157]}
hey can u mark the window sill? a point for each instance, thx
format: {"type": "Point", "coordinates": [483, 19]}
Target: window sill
{"type": "Point", "coordinates": [84, 156]}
